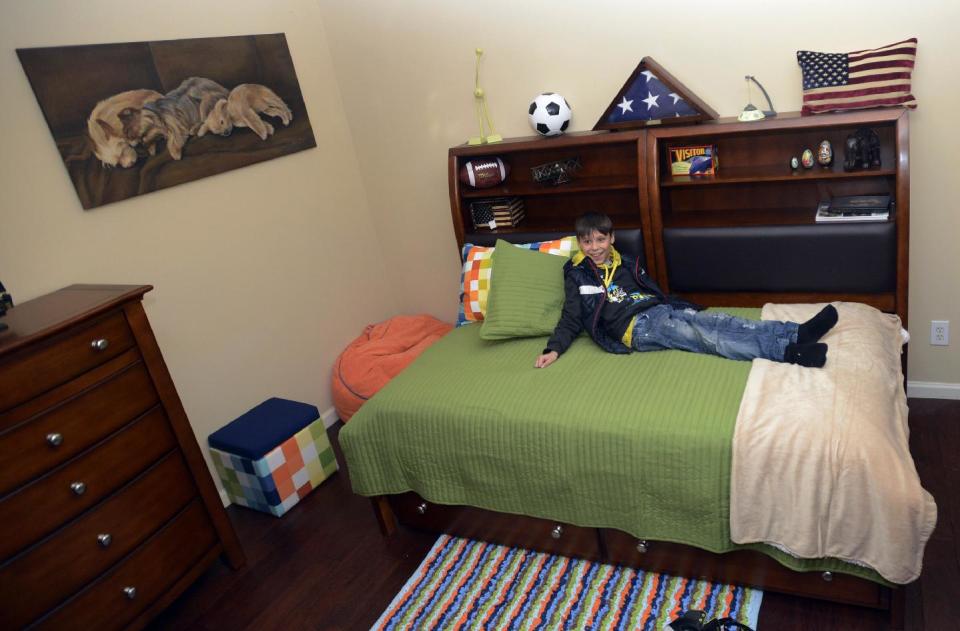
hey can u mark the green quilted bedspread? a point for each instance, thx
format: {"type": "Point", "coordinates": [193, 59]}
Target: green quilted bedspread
{"type": "Point", "coordinates": [638, 442]}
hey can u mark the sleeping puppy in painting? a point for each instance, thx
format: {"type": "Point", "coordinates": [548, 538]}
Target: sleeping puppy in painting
{"type": "Point", "coordinates": [242, 109]}
{"type": "Point", "coordinates": [105, 129]}
{"type": "Point", "coordinates": [175, 117]}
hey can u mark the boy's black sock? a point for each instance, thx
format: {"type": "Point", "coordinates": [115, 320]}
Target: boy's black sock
{"type": "Point", "coordinates": [817, 326]}
{"type": "Point", "coordinates": [809, 355]}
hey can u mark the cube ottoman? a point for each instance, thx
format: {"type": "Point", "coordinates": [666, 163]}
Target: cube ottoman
{"type": "Point", "coordinates": [272, 456]}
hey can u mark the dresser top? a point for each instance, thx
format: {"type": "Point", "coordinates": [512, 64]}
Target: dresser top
{"type": "Point", "coordinates": [50, 314]}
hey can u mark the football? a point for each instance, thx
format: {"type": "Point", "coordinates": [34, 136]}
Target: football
{"type": "Point", "coordinates": [484, 172]}
{"type": "Point", "coordinates": [549, 114]}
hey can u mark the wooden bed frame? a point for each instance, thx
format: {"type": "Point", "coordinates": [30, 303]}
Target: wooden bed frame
{"type": "Point", "coordinates": [626, 174]}
{"type": "Point", "coordinates": [741, 567]}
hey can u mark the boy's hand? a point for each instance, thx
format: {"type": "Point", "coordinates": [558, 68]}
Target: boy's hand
{"type": "Point", "coordinates": [546, 359]}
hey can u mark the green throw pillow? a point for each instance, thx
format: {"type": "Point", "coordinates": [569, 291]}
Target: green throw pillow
{"type": "Point", "coordinates": [526, 293]}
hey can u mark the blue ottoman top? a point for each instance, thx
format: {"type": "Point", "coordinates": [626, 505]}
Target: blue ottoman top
{"type": "Point", "coordinates": [264, 427]}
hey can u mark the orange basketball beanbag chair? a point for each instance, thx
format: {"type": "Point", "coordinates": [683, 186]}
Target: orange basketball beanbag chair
{"type": "Point", "coordinates": [378, 355]}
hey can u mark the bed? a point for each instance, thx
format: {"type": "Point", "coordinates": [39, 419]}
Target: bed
{"type": "Point", "coordinates": [632, 459]}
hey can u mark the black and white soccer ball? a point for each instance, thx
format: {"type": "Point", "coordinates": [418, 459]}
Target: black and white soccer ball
{"type": "Point", "coordinates": [549, 114]}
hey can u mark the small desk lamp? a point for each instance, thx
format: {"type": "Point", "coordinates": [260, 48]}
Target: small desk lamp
{"type": "Point", "coordinates": [750, 112]}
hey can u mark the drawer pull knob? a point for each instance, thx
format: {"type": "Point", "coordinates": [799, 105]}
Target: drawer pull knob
{"type": "Point", "coordinates": [557, 531]}
{"type": "Point", "coordinates": [78, 488]}
{"type": "Point", "coordinates": [100, 344]}
{"type": "Point", "coordinates": [54, 439]}
{"type": "Point", "coordinates": [422, 508]}
{"type": "Point", "coordinates": [642, 546]}
{"type": "Point", "coordinates": [827, 576]}
{"type": "Point", "coordinates": [104, 539]}
{"type": "Point", "coordinates": [130, 592]}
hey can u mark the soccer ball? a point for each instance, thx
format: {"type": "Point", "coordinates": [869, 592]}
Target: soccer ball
{"type": "Point", "coordinates": [549, 114]}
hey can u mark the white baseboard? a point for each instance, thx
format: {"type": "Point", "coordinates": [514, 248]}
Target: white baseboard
{"type": "Point", "coordinates": [329, 418]}
{"type": "Point", "coordinates": [933, 390]}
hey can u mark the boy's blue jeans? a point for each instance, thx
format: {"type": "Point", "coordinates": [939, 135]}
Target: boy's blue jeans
{"type": "Point", "coordinates": [662, 327]}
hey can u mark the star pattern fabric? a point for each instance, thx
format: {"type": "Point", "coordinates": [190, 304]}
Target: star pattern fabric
{"type": "Point", "coordinates": [824, 70]}
{"type": "Point", "coordinates": [659, 101]}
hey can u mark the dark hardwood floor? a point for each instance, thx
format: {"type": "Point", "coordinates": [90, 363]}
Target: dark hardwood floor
{"type": "Point", "coordinates": [324, 564]}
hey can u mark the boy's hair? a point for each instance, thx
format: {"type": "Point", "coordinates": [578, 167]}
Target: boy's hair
{"type": "Point", "coordinates": [590, 221]}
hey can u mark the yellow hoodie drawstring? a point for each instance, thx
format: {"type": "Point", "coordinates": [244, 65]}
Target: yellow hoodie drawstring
{"type": "Point", "coordinates": [608, 271]}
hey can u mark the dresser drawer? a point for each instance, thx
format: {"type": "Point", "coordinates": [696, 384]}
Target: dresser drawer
{"type": "Point", "coordinates": [56, 435]}
{"type": "Point", "coordinates": [28, 373]}
{"type": "Point", "coordinates": [59, 566]}
{"type": "Point", "coordinates": [150, 571]}
{"type": "Point", "coordinates": [41, 507]}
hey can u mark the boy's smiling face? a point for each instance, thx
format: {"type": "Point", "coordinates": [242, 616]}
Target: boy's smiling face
{"type": "Point", "coordinates": [596, 245]}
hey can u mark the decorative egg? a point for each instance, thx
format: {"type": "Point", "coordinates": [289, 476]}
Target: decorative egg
{"type": "Point", "coordinates": [807, 159]}
{"type": "Point", "coordinates": [794, 162]}
{"type": "Point", "coordinates": [825, 153]}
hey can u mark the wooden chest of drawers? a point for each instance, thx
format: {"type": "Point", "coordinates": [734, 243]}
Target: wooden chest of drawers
{"type": "Point", "coordinates": [107, 509]}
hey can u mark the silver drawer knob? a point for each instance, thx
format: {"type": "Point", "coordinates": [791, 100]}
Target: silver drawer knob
{"type": "Point", "coordinates": [54, 439]}
{"type": "Point", "coordinates": [422, 508]}
{"type": "Point", "coordinates": [78, 488]}
{"type": "Point", "coordinates": [827, 576]}
{"type": "Point", "coordinates": [104, 540]}
{"type": "Point", "coordinates": [100, 344]}
{"type": "Point", "coordinates": [557, 531]}
{"type": "Point", "coordinates": [642, 546]}
{"type": "Point", "coordinates": [130, 592]}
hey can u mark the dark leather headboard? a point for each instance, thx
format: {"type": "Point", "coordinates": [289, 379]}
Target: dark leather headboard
{"type": "Point", "coordinates": [628, 241]}
{"type": "Point", "coordinates": [843, 257]}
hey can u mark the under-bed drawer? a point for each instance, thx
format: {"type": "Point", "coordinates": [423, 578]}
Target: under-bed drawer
{"type": "Point", "coordinates": [741, 567]}
{"type": "Point", "coordinates": [512, 530]}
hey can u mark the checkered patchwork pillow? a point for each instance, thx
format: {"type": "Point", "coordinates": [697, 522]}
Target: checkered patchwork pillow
{"type": "Point", "coordinates": [478, 267]}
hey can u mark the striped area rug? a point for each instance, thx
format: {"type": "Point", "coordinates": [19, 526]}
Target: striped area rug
{"type": "Point", "coordinates": [464, 584]}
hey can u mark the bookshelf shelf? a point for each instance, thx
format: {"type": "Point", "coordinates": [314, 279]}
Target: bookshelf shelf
{"type": "Point", "coordinates": [773, 174]}
{"type": "Point", "coordinates": [577, 185]}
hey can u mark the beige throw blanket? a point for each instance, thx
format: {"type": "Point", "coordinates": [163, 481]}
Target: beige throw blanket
{"type": "Point", "coordinates": [821, 461]}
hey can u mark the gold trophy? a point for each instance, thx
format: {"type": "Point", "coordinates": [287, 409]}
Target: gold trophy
{"type": "Point", "coordinates": [483, 114]}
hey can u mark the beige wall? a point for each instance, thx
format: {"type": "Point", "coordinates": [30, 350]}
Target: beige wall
{"type": "Point", "coordinates": [260, 273]}
{"type": "Point", "coordinates": [405, 70]}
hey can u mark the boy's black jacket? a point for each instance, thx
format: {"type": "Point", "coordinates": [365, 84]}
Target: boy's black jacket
{"type": "Point", "coordinates": [585, 297]}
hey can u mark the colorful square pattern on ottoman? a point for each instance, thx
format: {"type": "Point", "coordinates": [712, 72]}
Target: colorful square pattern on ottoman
{"type": "Point", "coordinates": [276, 480]}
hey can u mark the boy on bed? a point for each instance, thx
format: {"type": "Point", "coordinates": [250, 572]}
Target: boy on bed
{"type": "Point", "coordinates": [612, 297]}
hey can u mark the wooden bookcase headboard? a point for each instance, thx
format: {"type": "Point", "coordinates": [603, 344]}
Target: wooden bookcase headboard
{"type": "Point", "coordinates": [742, 237]}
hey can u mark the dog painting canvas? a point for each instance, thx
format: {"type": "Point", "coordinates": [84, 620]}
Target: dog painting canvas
{"type": "Point", "coordinates": [137, 117]}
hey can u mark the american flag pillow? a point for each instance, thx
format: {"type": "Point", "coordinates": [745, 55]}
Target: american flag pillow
{"type": "Point", "coordinates": [858, 80]}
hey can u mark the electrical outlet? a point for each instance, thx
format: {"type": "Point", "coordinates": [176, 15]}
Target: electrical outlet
{"type": "Point", "coordinates": [940, 332]}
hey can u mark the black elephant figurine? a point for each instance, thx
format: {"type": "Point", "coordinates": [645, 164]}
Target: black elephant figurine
{"type": "Point", "coordinates": [861, 150]}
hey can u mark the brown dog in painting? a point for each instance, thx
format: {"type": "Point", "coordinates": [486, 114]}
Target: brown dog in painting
{"type": "Point", "coordinates": [105, 129]}
{"type": "Point", "coordinates": [243, 108]}
{"type": "Point", "coordinates": [175, 117]}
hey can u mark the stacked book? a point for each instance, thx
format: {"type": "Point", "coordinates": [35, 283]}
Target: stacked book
{"type": "Point", "coordinates": [855, 208]}
{"type": "Point", "coordinates": [501, 212]}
